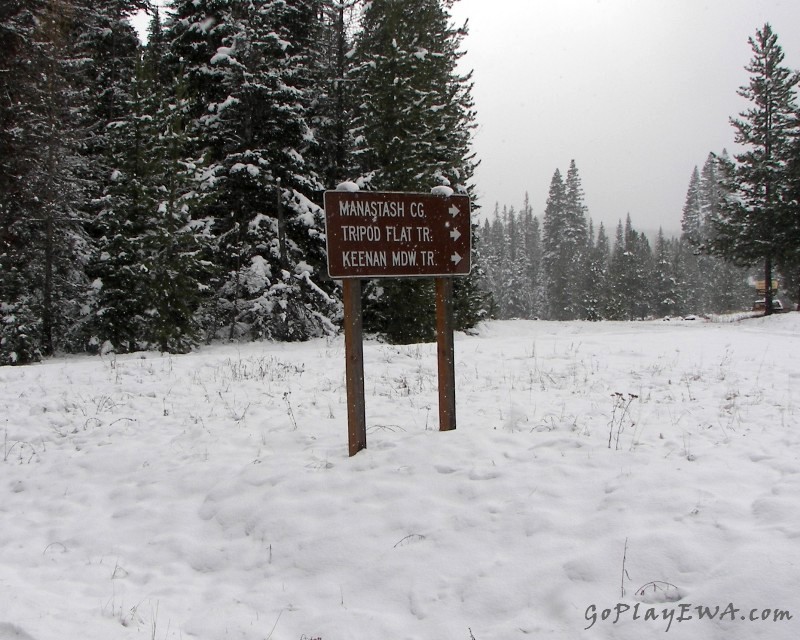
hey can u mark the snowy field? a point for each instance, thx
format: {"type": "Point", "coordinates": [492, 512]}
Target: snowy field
{"type": "Point", "coordinates": [645, 473]}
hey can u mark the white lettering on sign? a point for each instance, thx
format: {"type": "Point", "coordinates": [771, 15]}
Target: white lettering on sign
{"type": "Point", "coordinates": [404, 258]}
{"type": "Point", "coordinates": [364, 259]}
{"type": "Point", "coordinates": [398, 234]}
{"type": "Point", "coordinates": [351, 233]}
{"type": "Point", "coordinates": [417, 210]}
{"type": "Point", "coordinates": [373, 209]}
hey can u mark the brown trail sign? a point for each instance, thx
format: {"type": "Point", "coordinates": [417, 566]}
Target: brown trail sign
{"type": "Point", "coordinates": [387, 235]}
{"type": "Point", "coordinates": [390, 235]}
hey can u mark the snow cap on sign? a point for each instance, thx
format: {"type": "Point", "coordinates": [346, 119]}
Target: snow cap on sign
{"type": "Point", "coordinates": [347, 186]}
{"type": "Point", "coordinates": [442, 190]}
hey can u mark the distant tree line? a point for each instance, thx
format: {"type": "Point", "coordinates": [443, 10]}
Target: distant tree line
{"type": "Point", "coordinates": [740, 224]}
{"type": "Point", "coordinates": [560, 268]}
{"type": "Point", "coordinates": [157, 196]}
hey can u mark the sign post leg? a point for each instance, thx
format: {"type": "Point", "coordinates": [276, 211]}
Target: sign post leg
{"type": "Point", "coordinates": [446, 354]}
{"type": "Point", "coordinates": [354, 366]}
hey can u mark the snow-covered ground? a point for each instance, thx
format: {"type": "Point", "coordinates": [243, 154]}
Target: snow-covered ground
{"type": "Point", "coordinates": [596, 467]}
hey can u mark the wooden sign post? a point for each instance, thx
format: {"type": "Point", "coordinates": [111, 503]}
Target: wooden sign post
{"type": "Point", "coordinates": [354, 366]}
{"type": "Point", "coordinates": [446, 354]}
{"type": "Point", "coordinates": [396, 235]}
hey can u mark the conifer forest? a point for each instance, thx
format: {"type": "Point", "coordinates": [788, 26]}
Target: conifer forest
{"type": "Point", "coordinates": [165, 194]}
{"type": "Point", "coordinates": [559, 267]}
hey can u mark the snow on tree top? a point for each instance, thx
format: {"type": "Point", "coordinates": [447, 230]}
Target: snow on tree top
{"type": "Point", "coordinates": [250, 168]}
{"type": "Point", "coordinates": [223, 55]}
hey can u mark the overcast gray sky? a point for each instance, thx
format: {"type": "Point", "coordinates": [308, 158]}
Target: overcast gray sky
{"type": "Point", "coordinates": [638, 92]}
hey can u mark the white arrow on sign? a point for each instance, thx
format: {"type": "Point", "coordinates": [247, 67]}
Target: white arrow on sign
{"type": "Point", "coordinates": [455, 258]}
{"type": "Point", "coordinates": [454, 210]}
{"type": "Point", "coordinates": [455, 234]}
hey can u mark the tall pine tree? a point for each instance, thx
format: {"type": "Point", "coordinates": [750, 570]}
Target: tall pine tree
{"type": "Point", "coordinates": [789, 260]}
{"type": "Point", "coordinates": [413, 132]}
{"type": "Point", "coordinates": [556, 277]}
{"type": "Point", "coordinates": [748, 228]}
{"type": "Point", "coordinates": [247, 69]}
{"type": "Point", "coordinates": [148, 268]}
{"type": "Point", "coordinates": [336, 101]}
{"type": "Point", "coordinates": [595, 274]}
{"type": "Point", "coordinates": [42, 243]}
{"type": "Point", "coordinates": [574, 242]}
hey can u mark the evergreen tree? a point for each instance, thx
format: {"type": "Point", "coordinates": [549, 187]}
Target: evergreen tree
{"type": "Point", "coordinates": [692, 219]}
{"type": "Point", "coordinates": [710, 284]}
{"type": "Point", "coordinates": [748, 229]}
{"type": "Point", "coordinates": [149, 273]}
{"type": "Point", "coordinates": [21, 104]}
{"type": "Point", "coordinates": [492, 238]}
{"type": "Point", "coordinates": [615, 303]}
{"type": "Point", "coordinates": [413, 129]}
{"type": "Point", "coordinates": [666, 288]}
{"type": "Point", "coordinates": [726, 286]}
{"type": "Point", "coordinates": [247, 69]}
{"type": "Point", "coordinates": [565, 247]}
{"type": "Point", "coordinates": [596, 274]}
{"type": "Point", "coordinates": [512, 296]}
{"type": "Point", "coordinates": [335, 103]}
{"type": "Point", "coordinates": [789, 260]}
{"type": "Point", "coordinates": [639, 275]}
{"type": "Point", "coordinates": [489, 262]}
{"type": "Point", "coordinates": [532, 247]}
{"type": "Point", "coordinates": [629, 293]}
{"type": "Point", "coordinates": [471, 302]}
{"type": "Point", "coordinates": [555, 278]}
{"type": "Point", "coordinates": [575, 244]}
{"type": "Point", "coordinates": [564, 244]}
{"type": "Point", "coordinates": [42, 244]}
{"type": "Point", "coordinates": [710, 197]}
{"type": "Point", "coordinates": [512, 245]}
{"type": "Point", "coordinates": [121, 161]}
{"type": "Point", "coordinates": [155, 55]}
{"type": "Point", "coordinates": [694, 236]}
{"type": "Point", "coordinates": [685, 268]}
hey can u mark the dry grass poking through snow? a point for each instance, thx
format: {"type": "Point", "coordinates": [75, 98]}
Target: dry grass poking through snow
{"type": "Point", "coordinates": [604, 465]}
